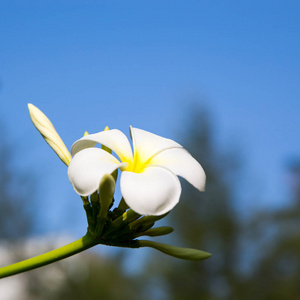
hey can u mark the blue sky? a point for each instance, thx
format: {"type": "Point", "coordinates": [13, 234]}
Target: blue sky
{"type": "Point", "coordinates": [88, 64]}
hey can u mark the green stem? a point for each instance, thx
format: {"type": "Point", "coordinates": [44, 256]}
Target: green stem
{"type": "Point", "coordinates": [89, 216]}
{"type": "Point", "coordinates": [80, 245]}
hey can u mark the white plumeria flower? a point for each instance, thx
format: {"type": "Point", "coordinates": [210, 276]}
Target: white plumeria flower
{"type": "Point", "coordinates": [149, 184]}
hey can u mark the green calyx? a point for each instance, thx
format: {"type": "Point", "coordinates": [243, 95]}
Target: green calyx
{"type": "Point", "coordinates": [122, 226]}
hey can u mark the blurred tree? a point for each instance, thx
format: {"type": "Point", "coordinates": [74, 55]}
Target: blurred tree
{"type": "Point", "coordinates": [204, 221]}
{"type": "Point", "coordinates": [269, 245]}
{"type": "Point", "coordinates": [276, 274]}
{"type": "Point", "coordinates": [16, 191]}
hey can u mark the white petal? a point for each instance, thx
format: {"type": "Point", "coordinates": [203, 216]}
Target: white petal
{"type": "Point", "coordinates": [183, 164]}
{"type": "Point", "coordinates": [88, 167]}
{"type": "Point", "coordinates": [152, 192]}
{"type": "Point", "coordinates": [113, 139]}
{"type": "Point", "coordinates": [147, 144]}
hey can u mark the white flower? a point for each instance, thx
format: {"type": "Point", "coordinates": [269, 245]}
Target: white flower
{"type": "Point", "coordinates": [149, 184]}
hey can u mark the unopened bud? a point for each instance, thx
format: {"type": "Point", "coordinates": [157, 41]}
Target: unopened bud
{"type": "Point", "coordinates": [158, 231]}
{"type": "Point", "coordinates": [182, 253]}
{"type": "Point", "coordinates": [106, 192]}
{"type": "Point", "coordinates": [107, 189]}
{"type": "Point", "coordinates": [145, 220]}
{"type": "Point", "coordinates": [48, 132]}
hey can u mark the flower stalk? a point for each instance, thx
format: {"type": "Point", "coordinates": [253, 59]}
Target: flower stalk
{"type": "Point", "coordinates": [73, 248]}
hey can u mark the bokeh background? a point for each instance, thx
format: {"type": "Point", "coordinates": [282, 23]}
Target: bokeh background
{"type": "Point", "coordinates": [220, 77]}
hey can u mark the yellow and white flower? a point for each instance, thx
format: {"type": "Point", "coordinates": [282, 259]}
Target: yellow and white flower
{"type": "Point", "coordinates": [149, 184]}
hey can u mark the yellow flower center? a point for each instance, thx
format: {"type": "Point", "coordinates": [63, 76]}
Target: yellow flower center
{"type": "Point", "coordinates": [136, 165]}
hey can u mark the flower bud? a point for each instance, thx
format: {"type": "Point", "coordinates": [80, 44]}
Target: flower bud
{"type": "Point", "coordinates": [158, 231]}
{"type": "Point", "coordinates": [48, 132]}
{"type": "Point", "coordinates": [107, 189]}
{"type": "Point", "coordinates": [145, 220]}
{"type": "Point", "coordinates": [182, 253]}
{"type": "Point", "coordinates": [106, 192]}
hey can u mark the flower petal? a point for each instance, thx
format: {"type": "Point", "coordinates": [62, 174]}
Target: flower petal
{"type": "Point", "coordinates": [183, 164]}
{"type": "Point", "coordinates": [88, 167]}
{"type": "Point", "coordinates": [113, 139]}
{"type": "Point", "coordinates": [147, 144]}
{"type": "Point", "coordinates": [152, 192]}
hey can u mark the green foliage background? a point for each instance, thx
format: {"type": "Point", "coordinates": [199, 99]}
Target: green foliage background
{"type": "Point", "coordinates": [268, 242]}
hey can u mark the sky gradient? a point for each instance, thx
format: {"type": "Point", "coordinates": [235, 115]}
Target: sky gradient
{"type": "Point", "coordinates": [88, 64]}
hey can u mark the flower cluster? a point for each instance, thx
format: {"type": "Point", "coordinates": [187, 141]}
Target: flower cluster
{"type": "Point", "coordinates": [149, 184]}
